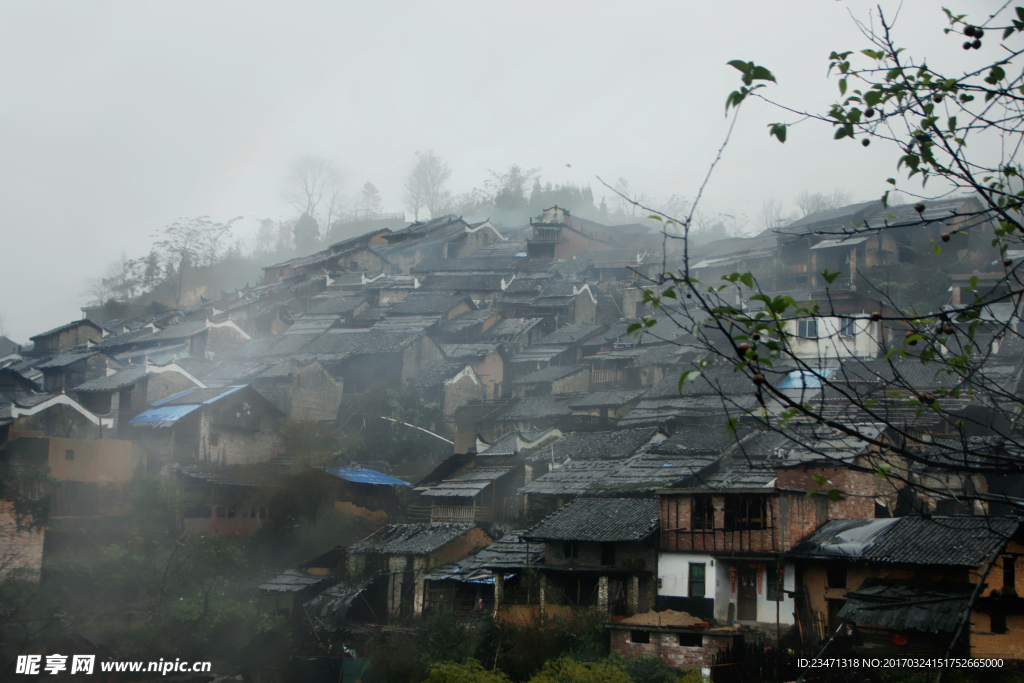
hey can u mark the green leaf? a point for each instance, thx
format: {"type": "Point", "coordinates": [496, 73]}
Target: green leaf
{"type": "Point", "coordinates": [842, 86]}
{"type": "Point", "coordinates": [778, 130]}
{"type": "Point", "coordinates": [883, 469]}
{"type": "Point", "coordinates": [686, 376]}
{"type": "Point", "coordinates": [835, 494]}
{"type": "Point", "coordinates": [829, 276]}
{"type": "Point", "coordinates": [936, 250]}
{"type": "Point", "coordinates": [747, 279]}
{"type": "Point", "coordinates": [819, 480]}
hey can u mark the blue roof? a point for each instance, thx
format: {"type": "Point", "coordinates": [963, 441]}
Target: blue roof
{"type": "Point", "coordinates": [362, 476]}
{"type": "Point", "coordinates": [164, 416]}
{"type": "Point", "coordinates": [805, 379]}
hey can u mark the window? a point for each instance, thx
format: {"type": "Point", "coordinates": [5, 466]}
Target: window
{"type": "Point", "coordinates": [214, 438]}
{"type": "Point", "coordinates": [847, 327]}
{"type": "Point", "coordinates": [745, 513]}
{"type": "Point", "coordinates": [702, 514]}
{"type": "Point", "coordinates": [697, 582]}
{"type": "Point", "coordinates": [776, 583]}
{"type": "Point", "coordinates": [220, 511]}
{"type": "Point", "coordinates": [1009, 576]}
{"type": "Point", "coordinates": [807, 329]}
{"type": "Point", "coordinates": [607, 554]}
{"type": "Point", "coordinates": [69, 455]}
{"type": "Point", "coordinates": [836, 575]}
{"type": "Point", "coordinates": [641, 637]}
{"type": "Point", "coordinates": [570, 550]}
{"type": "Point", "coordinates": [691, 640]}
{"type": "Point", "coordinates": [997, 623]}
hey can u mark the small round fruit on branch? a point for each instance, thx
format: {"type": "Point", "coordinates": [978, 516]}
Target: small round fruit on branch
{"type": "Point", "coordinates": [949, 330]}
{"type": "Point", "coordinates": [876, 316]}
{"type": "Point", "coordinates": [944, 237]}
{"type": "Point", "coordinates": [758, 379]}
{"type": "Point", "coordinates": [919, 207]}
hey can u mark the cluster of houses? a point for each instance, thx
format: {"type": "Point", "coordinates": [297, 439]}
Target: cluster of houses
{"type": "Point", "coordinates": [580, 476]}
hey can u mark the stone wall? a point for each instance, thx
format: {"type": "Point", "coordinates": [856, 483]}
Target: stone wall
{"type": "Point", "coordinates": [666, 645]}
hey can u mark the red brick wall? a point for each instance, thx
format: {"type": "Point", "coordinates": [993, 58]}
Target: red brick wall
{"type": "Point", "coordinates": [21, 545]}
{"type": "Point", "coordinates": [859, 489]}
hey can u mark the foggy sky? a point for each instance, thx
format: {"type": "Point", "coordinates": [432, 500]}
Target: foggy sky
{"type": "Point", "coordinates": [116, 118]}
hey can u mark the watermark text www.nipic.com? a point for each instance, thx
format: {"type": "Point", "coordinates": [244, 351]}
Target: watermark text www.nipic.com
{"type": "Point", "coordinates": [86, 664]}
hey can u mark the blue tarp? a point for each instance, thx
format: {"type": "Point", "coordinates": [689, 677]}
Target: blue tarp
{"type": "Point", "coordinates": [165, 416]}
{"type": "Point", "coordinates": [805, 379]}
{"type": "Point", "coordinates": [363, 476]}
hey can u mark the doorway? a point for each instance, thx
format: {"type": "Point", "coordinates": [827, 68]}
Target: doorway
{"type": "Point", "coordinates": [746, 593]}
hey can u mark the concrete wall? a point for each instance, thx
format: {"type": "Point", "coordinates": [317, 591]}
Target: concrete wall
{"type": "Point", "coordinates": [830, 344]}
{"type": "Point", "coordinates": [97, 460]}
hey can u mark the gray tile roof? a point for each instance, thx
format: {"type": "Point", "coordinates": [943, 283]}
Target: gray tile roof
{"type": "Point", "coordinates": [614, 445]}
{"type": "Point", "coordinates": [951, 541]}
{"type": "Point", "coordinates": [597, 399]}
{"type": "Point", "coordinates": [426, 303]}
{"type": "Point", "coordinates": [538, 408]}
{"type": "Point", "coordinates": [68, 326]}
{"type": "Point", "coordinates": [66, 359]}
{"type": "Point", "coordinates": [574, 478]}
{"type": "Point", "coordinates": [335, 305]}
{"type": "Point", "coordinates": [697, 439]}
{"type": "Point", "coordinates": [511, 329]}
{"type": "Point", "coordinates": [572, 334]}
{"type": "Point", "coordinates": [465, 282]}
{"type": "Point", "coordinates": [539, 354]}
{"type": "Point", "coordinates": [599, 519]}
{"type": "Point", "coordinates": [474, 264]}
{"type": "Point", "coordinates": [551, 374]}
{"type": "Point", "coordinates": [409, 539]}
{"type": "Point", "coordinates": [467, 320]}
{"type": "Point", "coordinates": [436, 374]}
{"type": "Point", "coordinates": [466, 351]}
{"type": "Point", "coordinates": [118, 380]}
{"type": "Point", "coordinates": [467, 484]}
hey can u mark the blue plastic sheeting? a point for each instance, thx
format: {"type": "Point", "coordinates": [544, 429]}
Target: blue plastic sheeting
{"type": "Point", "coordinates": [362, 476]}
{"type": "Point", "coordinates": [218, 393]}
{"type": "Point", "coordinates": [165, 416]}
{"type": "Point", "coordinates": [805, 379]}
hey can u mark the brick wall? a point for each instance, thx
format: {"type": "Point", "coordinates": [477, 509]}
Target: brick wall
{"type": "Point", "coordinates": [21, 545]}
{"type": "Point", "coordinates": [859, 489]}
{"type": "Point", "coordinates": [312, 394]}
{"type": "Point", "coordinates": [666, 646]}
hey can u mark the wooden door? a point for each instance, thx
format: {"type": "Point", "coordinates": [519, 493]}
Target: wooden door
{"type": "Point", "coordinates": [746, 593]}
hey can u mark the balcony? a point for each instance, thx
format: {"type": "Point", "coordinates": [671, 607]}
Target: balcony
{"type": "Point", "coordinates": [547, 235]}
{"type": "Point", "coordinates": [460, 514]}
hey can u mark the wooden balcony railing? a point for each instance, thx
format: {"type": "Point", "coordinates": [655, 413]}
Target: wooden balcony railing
{"type": "Point", "coordinates": [460, 514]}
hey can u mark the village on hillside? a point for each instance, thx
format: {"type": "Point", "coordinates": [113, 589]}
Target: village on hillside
{"type": "Point", "coordinates": [515, 450]}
